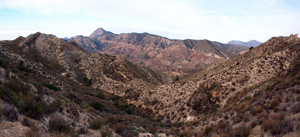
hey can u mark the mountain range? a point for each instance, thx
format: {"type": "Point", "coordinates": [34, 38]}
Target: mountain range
{"type": "Point", "coordinates": [177, 57]}
{"type": "Point", "coordinates": [251, 43]}
{"type": "Point", "coordinates": [57, 87]}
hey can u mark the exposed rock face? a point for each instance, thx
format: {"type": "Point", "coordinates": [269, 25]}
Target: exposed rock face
{"type": "Point", "coordinates": [159, 53]}
{"type": "Point", "coordinates": [251, 43]}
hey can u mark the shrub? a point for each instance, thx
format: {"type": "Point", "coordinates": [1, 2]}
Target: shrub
{"type": "Point", "coordinates": [100, 95]}
{"type": "Point", "coordinates": [97, 105]}
{"type": "Point", "coordinates": [120, 128]}
{"type": "Point", "coordinates": [242, 130]}
{"type": "Point", "coordinates": [176, 79]}
{"type": "Point", "coordinates": [54, 106]}
{"type": "Point", "coordinates": [11, 112]}
{"type": "Point", "coordinates": [59, 125]}
{"type": "Point", "coordinates": [124, 107]}
{"type": "Point", "coordinates": [251, 48]}
{"type": "Point", "coordinates": [32, 132]}
{"type": "Point", "coordinates": [274, 103]}
{"type": "Point", "coordinates": [106, 132]}
{"type": "Point", "coordinates": [33, 107]}
{"type": "Point", "coordinates": [71, 96]}
{"type": "Point", "coordinates": [52, 87]}
{"type": "Point", "coordinates": [270, 124]}
{"type": "Point", "coordinates": [87, 81]}
{"type": "Point", "coordinates": [1, 112]}
{"type": "Point", "coordinates": [96, 123]}
{"type": "Point", "coordinates": [295, 108]}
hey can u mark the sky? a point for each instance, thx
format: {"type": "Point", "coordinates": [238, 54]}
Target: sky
{"type": "Point", "coordinates": [217, 20]}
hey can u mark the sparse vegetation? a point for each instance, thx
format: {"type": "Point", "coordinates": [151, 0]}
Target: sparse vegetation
{"type": "Point", "coordinates": [52, 87]}
{"type": "Point", "coordinates": [87, 82]}
{"type": "Point", "coordinates": [97, 105]}
{"type": "Point", "coordinates": [96, 123]}
{"type": "Point", "coordinates": [100, 95]}
{"type": "Point", "coordinates": [59, 125]}
{"type": "Point", "coordinates": [176, 79]}
{"type": "Point", "coordinates": [106, 132]}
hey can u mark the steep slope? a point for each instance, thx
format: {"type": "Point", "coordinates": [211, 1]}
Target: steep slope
{"type": "Point", "coordinates": [251, 43]}
{"type": "Point", "coordinates": [179, 57]}
{"type": "Point", "coordinates": [229, 91]}
{"type": "Point", "coordinates": [49, 86]}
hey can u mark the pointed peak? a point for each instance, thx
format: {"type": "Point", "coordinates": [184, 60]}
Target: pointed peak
{"type": "Point", "coordinates": [99, 31]}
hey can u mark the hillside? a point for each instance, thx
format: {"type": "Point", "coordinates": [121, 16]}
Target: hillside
{"type": "Point", "coordinates": [178, 57]}
{"type": "Point", "coordinates": [254, 93]}
{"type": "Point", "coordinates": [50, 87]}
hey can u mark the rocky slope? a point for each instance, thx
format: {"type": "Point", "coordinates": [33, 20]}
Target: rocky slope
{"type": "Point", "coordinates": [251, 43]}
{"type": "Point", "coordinates": [49, 86]}
{"type": "Point", "coordinates": [179, 57]}
{"type": "Point", "coordinates": [242, 94]}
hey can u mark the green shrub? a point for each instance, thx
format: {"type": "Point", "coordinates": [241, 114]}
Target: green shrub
{"type": "Point", "coordinates": [1, 112]}
{"type": "Point", "coordinates": [96, 123]}
{"type": "Point", "coordinates": [34, 107]}
{"type": "Point", "coordinates": [4, 62]}
{"type": "Point", "coordinates": [71, 96]}
{"type": "Point", "coordinates": [59, 125]}
{"type": "Point", "coordinates": [54, 106]}
{"type": "Point", "coordinates": [96, 105]}
{"type": "Point", "coordinates": [106, 132]}
{"type": "Point", "coordinates": [124, 107]}
{"type": "Point", "coordinates": [52, 87]}
{"type": "Point", "coordinates": [87, 81]}
{"type": "Point", "coordinates": [176, 79]}
{"type": "Point", "coordinates": [100, 95]}
{"type": "Point", "coordinates": [251, 48]}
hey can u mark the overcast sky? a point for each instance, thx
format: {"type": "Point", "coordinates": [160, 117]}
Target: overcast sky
{"type": "Point", "coordinates": [218, 20]}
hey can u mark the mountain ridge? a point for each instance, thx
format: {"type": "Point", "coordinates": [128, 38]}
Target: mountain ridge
{"type": "Point", "coordinates": [250, 43]}
{"type": "Point", "coordinates": [158, 52]}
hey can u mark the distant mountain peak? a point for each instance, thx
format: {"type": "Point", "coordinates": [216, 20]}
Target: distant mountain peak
{"type": "Point", "coordinates": [99, 31]}
{"type": "Point", "coordinates": [250, 43]}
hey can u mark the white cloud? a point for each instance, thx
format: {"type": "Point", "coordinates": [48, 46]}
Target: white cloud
{"type": "Point", "coordinates": [216, 20]}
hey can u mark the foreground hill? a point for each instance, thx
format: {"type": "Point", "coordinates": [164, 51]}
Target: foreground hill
{"type": "Point", "coordinates": [159, 53]}
{"type": "Point", "coordinates": [49, 86]}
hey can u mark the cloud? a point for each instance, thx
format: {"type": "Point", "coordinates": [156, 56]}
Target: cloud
{"type": "Point", "coordinates": [214, 19]}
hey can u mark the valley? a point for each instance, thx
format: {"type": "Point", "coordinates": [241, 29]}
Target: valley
{"type": "Point", "coordinates": [123, 85]}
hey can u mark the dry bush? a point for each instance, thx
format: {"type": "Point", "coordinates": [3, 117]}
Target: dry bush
{"type": "Point", "coordinates": [120, 128]}
{"type": "Point", "coordinates": [96, 123]}
{"type": "Point", "coordinates": [237, 118]}
{"type": "Point", "coordinates": [295, 108]}
{"type": "Point", "coordinates": [242, 130]}
{"type": "Point", "coordinates": [278, 124]}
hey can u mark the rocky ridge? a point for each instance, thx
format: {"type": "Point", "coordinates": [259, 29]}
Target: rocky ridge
{"type": "Point", "coordinates": [178, 57]}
